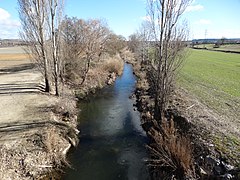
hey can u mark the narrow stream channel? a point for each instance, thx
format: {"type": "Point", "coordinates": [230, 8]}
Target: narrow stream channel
{"type": "Point", "coordinates": [112, 142]}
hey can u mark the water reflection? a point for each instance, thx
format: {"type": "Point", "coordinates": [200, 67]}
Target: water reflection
{"type": "Point", "coordinates": [112, 142]}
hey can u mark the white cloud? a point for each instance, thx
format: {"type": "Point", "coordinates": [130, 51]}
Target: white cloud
{"type": "Point", "coordinates": [8, 26]}
{"type": "Point", "coordinates": [197, 7]}
{"type": "Point", "coordinates": [4, 14]}
{"type": "Point", "coordinates": [203, 22]}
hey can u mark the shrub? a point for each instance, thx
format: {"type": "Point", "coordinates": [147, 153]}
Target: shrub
{"type": "Point", "coordinates": [171, 151]}
{"type": "Point", "coordinates": [113, 65]}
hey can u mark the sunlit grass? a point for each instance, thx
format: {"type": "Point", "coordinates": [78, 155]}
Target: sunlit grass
{"type": "Point", "coordinates": [225, 47]}
{"type": "Point", "coordinates": [214, 77]}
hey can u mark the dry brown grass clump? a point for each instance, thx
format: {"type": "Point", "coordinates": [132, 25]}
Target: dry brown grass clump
{"type": "Point", "coordinates": [66, 108]}
{"type": "Point", "coordinates": [171, 152]}
{"type": "Point", "coordinates": [127, 55]}
{"type": "Point", "coordinates": [113, 65]}
{"type": "Point", "coordinates": [34, 155]}
{"type": "Point", "coordinates": [96, 77]}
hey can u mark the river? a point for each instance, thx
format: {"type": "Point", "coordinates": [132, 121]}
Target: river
{"type": "Point", "coordinates": [112, 141]}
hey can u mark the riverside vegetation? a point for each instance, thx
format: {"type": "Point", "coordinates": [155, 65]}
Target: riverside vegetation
{"type": "Point", "coordinates": [196, 137]}
{"type": "Point", "coordinates": [73, 57]}
{"type": "Point", "coordinates": [185, 135]}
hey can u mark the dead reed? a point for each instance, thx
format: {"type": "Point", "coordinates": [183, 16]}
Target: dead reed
{"type": "Point", "coordinates": [170, 151]}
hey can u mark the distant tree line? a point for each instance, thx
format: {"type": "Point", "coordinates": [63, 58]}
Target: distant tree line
{"type": "Point", "coordinates": [64, 47]}
{"type": "Point", "coordinates": [11, 42]}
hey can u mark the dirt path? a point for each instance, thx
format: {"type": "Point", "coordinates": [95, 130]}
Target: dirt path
{"type": "Point", "coordinates": [31, 144]}
{"type": "Point", "coordinates": [21, 97]}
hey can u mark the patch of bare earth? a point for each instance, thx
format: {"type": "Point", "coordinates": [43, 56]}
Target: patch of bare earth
{"type": "Point", "coordinates": [33, 139]}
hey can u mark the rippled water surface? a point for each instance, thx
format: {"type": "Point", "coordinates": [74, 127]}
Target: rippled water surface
{"type": "Point", "coordinates": [112, 142]}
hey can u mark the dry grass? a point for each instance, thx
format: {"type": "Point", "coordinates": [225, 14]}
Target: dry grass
{"type": "Point", "coordinates": [18, 56]}
{"type": "Point", "coordinates": [66, 108]}
{"type": "Point", "coordinates": [113, 65]}
{"type": "Point", "coordinates": [97, 77]}
{"type": "Point", "coordinates": [170, 151]}
{"type": "Point", "coordinates": [97, 74]}
{"type": "Point", "coordinates": [127, 55]}
{"type": "Point", "coordinates": [11, 60]}
{"type": "Point", "coordinates": [34, 155]}
{"type": "Point", "coordinates": [55, 143]}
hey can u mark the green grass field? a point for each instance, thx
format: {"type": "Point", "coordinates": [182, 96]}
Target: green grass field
{"type": "Point", "coordinates": [226, 47]}
{"type": "Point", "coordinates": [214, 78]}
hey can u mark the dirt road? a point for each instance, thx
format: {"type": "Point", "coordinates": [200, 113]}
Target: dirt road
{"type": "Point", "coordinates": [30, 143]}
{"type": "Point", "coordinates": [21, 97]}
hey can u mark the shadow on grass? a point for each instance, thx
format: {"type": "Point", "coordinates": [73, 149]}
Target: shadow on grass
{"type": "Point", "coordinates": [21, 126]}
{"type": "Point", "coordinates": [16, 130]}
{"type": "Point", "coordinates": [23, 88]}
{"type": "Point", "coordinates": [19, 87]}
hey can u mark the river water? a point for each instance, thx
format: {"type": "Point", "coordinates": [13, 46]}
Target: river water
{"type": "Point", "coordinates": [112, 141]}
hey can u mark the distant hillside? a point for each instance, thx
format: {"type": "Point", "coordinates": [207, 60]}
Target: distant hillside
{"type": "Point", "coordinates": [11, 42]}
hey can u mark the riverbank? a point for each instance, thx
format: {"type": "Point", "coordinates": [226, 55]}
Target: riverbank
{"type": "Point", "coordinates": [191, 121]}
{"type": "Point", "coordinates": [36, 129]}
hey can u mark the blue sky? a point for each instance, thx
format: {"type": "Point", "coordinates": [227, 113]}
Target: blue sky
{"type": "Point", "coordinates": [218, 18]}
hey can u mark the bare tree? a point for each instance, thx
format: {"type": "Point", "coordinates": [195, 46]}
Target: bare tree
{"type": "Point", "coordinates": [115, 44]}
{"type": "Point", "coordinates": [167, 43]}
{"type": "Point", "coordinates": [85, 42]}
{"type": "Point", "coordinates": [145, 36]}
{"type": "Point", "coordinates": [96, 35]}
{"type": "Point", "coordinates": [55, 8]}
{"type": "Point", "coordinates": [40, 29]}
{"type": "Point", "coordinates": [33, 15]}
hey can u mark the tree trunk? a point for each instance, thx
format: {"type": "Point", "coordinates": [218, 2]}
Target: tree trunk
{"type": "Point", "coordinates": [46, 71]}
{"type": "Point", "coordinates": [47, 86]}
{"type": "Point", "coordinates": [87, 67]}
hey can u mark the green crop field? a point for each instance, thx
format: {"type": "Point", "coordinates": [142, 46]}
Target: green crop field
{"type": "Point", "coordinates": [225, 47]}
{"type": "Point", "coordinates": [214, 78]}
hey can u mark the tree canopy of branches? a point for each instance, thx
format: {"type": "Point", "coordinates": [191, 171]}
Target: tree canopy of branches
{"type": "Point", "coordinates": [64, 48]}
{"type": "Point", "coordinates": [40, 21]}
{"type": "Point", "coordinates": [85, 43]}
{"type": "Point", "coordinates": [139, 42]}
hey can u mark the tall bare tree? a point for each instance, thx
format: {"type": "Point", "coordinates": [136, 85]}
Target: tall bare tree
{"type": "Point", "coordinates": [33, 15]}
{"type": "Point", "coordinates": [40, 21]}
{"type": "Point", "coordinates": [168, 44]}
{"type": "Point", "coordinates": [55, 8]}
